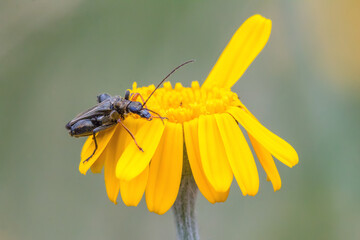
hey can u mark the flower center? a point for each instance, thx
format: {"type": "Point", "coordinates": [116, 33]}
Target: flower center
{"type": "Point", "coordinates": [181, 104]}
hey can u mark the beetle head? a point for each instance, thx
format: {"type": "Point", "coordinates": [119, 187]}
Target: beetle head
{"type": "Point", "coordinates": [134, 107]}
{"type": "Point", "coordinates": [144, 114]}
{"type": "Point", "coordinates": [137, 108]}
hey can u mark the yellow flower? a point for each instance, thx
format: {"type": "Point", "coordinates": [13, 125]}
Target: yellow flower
{"type": "Point", "coordinates": [206, 119]}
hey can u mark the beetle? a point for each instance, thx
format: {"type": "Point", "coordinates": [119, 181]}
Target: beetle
{"type": "Point", "coordinates": [110, 111]}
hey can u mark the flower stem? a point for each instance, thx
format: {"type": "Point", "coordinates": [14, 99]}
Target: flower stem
{"type": "Point", "coordinates": [184, 206]}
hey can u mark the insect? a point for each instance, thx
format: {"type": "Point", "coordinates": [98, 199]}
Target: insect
{"type": "Point", "coordinates": [110, 111]}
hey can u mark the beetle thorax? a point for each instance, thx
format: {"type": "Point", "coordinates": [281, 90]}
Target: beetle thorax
{"type": "Point", "coordinates": [120, 105]}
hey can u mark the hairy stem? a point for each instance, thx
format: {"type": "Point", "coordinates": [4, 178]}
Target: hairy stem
{"type": "Point", "coordinates": [184, 206]}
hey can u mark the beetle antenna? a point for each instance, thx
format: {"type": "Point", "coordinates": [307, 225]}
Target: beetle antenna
{"type": "Point", "coordinates": [166, 78]}
{"type": "Point", "coordinates": [162, 118]}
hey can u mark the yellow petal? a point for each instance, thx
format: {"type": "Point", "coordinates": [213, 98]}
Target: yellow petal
{"type": "Point", "coordinates": [133, 190]}
{"type": "Point", "coordinates": [213, 155]}
{"type": "Point", "coordinates": [239, 154]}
{"type": "Point", "coordinates": [242, 49]}
{"type": "Point", "coordinates": [283, 151]}
{"type": "Point", "coordinates": [98, 164]}
{"type": "Point", "coordinates": [133, 161]}
{"type": "Point", "coordinates": [193, 152]}
{"type": "Point", "coordinates": [102, 139]}
{"type": "Point", "coordinates": [111, 155]}
{"type": "Point", "coordinates": [112, 184]}
{"type": "Point", "coordinates": [165, 170]}
{"type": "Point", "coordinates": [267, 162]}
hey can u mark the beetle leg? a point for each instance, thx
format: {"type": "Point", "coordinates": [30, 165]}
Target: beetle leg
{"type": "Point", "coordinates": [158, 116]}
{"type": "Point", "coordinates": [96, 130]}
{"type": "Point", "coordinates": [135, 96]}
{"type": "Point", "coordinates": [102, 97]}
{"type": "Point", "coordinates": [119, 121]}
{"type": "Point", "coordinates": [114, 115]}
{"type": "Point", "coordinates": [96, 146]}
{"type": "Point", "coordinates": [127, 95]}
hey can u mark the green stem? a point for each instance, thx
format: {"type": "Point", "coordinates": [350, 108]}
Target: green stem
{"type": "Point", "coordinates": [184, 206]}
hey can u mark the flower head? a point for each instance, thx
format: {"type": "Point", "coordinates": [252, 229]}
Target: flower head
{"type": "Point", "coordinates": [202, 122]}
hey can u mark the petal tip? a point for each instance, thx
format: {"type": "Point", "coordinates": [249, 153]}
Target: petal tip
{"type": "Point", "coordinates": [294, 160]}
{"type": "Point", "coordinates": [260, 17]}
{"type": "Point", "coordinates": [253, 192]}
{"type": "Point", "coordinates": [276, 189]}
{"type": "Point", "coordinates": [82, 169]}
{"type": "Point", "coordinates": [158, 211]}
{"type": "Point", "coordinates": [131, 204]}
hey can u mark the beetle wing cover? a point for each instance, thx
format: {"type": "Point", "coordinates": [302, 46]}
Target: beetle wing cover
{"type": "Point", "coordinates": [103, 108]}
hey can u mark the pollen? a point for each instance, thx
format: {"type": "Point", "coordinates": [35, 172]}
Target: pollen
{"type": "Point", "coordinates": [180, 104]}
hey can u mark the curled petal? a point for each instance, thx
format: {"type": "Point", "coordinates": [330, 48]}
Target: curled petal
{"type": "Point", "coordinates": [111, 155]}
{"type": "Point", "coordinates": [133, 190]}
{"type": "Point", "coordinates": [98, 165]}
{"type": "Point", "coordinates": [193, 152]}
{"type": "Point", "coordinates": [102, 139]}
{"type": "Point", "coordinates": [213, 155]}
{"type": "Point", "coordinates": [267, 162]}
{"type": "Point", "coordinates": [274, 144]}
{"type": "Point", "coordinates": [165, 170]}
{"type": "Point", "coordinates": [239, 154]}
{"type": "Point", "coordinates": [133, 161]}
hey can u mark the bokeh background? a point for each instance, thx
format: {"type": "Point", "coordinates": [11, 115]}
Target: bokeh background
{"type": "Point", "coordinates": [56, 56]}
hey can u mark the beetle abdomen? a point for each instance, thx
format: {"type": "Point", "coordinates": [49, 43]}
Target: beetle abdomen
{"type": "Point", "coordinates": [82, 128]}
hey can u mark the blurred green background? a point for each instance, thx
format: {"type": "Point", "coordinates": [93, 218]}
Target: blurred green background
{"type": "Point", "coordinates": [56, 56]}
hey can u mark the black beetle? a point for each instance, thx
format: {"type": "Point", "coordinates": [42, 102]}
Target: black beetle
{"type": "Point", "coordinates": [112, 110]}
